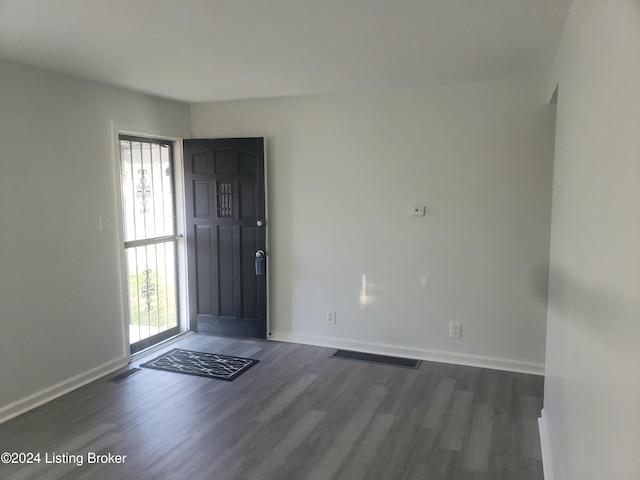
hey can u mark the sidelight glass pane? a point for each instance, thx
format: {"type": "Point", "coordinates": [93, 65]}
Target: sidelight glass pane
{"type": "Point", "coordinates": [150, 242]}
{"type": "Point", "coordinates": [152, 289]}
{"type": "Point", "coordinates": [147, 190]}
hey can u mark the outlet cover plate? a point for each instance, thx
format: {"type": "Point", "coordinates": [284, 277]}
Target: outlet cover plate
{"type": "Point", "coordinates": [455, 330]}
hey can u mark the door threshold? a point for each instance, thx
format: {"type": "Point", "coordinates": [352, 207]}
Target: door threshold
{"type": "Point", "coordinates": [153, 348]}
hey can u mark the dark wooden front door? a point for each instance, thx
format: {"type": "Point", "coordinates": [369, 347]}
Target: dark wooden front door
{"type": "Point", "coordinates": [226, 236]}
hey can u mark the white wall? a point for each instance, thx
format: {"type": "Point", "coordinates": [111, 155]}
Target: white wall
{"type": "Point", "coordinates": [60, 295]}
{"type": "Point", "coordinates": [591, 418]}
{"type": "Point", "coordinates": [343, 170]}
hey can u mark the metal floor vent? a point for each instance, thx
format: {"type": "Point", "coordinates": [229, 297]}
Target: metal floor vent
{"type": "Point", "coordinates": [124, 375]}
{"type": "Point", "coordinates": [379, 359]}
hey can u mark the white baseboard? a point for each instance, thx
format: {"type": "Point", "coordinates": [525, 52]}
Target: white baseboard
{"type": "Point", "coordinates": [421, 354]}
{"type": "Point", "coordinates": [30, 402]}
{"type": "Point", "coordinates": [545, 446]}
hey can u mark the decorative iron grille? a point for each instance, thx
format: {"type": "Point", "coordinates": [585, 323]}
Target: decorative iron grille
{"type": "Point", "coordinates": [224, 196]}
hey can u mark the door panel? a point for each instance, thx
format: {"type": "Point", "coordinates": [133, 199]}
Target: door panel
{"type": "Point", "coordinates": [226, 272]}
{"type": "Point", "coordinates": [201, 199]}
{"type": "Point", "coordinates": [247, 200]}
{"type": "Point", "coordinates": [203, 265]}
{"type": "Point", "coordinates": [225, 197]}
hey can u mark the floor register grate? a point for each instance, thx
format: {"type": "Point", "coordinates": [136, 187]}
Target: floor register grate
{"type": "Point", "coordinates": [375, 358]}
{"type": "Point", "coordinates": [124, 375]}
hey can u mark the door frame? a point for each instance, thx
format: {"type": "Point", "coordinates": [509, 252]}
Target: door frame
{"type": "Point", "coordinates": [181, 244]}
{"type": "Point", "coordinates": [192, 317]}
{"type": "Point", "coordinates": [265, 149]}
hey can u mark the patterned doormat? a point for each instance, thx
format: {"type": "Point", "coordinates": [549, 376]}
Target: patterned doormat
{"type": "Point", "coordinates": [210, 365]}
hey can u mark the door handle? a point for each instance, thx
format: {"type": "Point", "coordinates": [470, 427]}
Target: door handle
{"type": "Point", "coordinates": [260, 261]}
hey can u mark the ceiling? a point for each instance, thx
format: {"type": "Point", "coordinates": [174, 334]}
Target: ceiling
{"type": "Point", "coordinates": [209, 50]}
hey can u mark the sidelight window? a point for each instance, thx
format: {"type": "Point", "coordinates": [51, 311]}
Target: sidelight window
{"type": "Point", "coordinates": [150, 240]}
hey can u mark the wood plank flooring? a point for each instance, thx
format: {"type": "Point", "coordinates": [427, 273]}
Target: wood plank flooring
{"type": "Point", "coordinates": [296, 415]}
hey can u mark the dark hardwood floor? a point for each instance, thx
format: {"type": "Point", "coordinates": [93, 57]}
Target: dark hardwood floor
{"type": "Point", "coordinates": [297, 414]}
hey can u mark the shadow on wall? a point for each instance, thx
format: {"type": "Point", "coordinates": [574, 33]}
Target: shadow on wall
{"type": "Point", "coordinates": [591, 306]}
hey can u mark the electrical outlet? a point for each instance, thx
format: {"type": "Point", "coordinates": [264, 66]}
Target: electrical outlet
{"type": "Point", "coordinates": [106, 223]}
{"type": "Point", "coordinates": [455, 329]}
{"type": "Point", "coordinates": [331, 317]}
